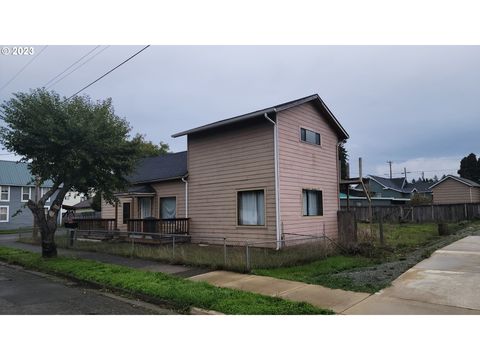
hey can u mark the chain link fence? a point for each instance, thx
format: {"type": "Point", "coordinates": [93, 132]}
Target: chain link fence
{"type": "Point", "coordinates": [209, 251]}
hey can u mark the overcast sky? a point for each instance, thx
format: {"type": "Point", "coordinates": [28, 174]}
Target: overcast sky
{"type": "Point", "coordinates": [417, 106]}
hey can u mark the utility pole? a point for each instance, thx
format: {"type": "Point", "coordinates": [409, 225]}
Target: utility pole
{"type": "Point", "coordinates": [423, 175]}
{"type": "Point", "coordinates": [405, 172]}
{"type": "Point", "coordinates": [389, 162]}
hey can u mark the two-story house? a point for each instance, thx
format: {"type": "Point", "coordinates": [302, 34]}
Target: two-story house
{"type": "Point", "coordinates": [17, 186]}
{"type": "Point", "coordinates": [251, 178]}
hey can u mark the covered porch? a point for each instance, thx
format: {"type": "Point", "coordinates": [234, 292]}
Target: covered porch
{"type": "Point", "coordinates": [141, 209]}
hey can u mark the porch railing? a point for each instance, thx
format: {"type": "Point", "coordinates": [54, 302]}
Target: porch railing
{"type": "Point", "coordinates": [159, 226]}
{"type": "Point", "coordinates": [95, 224]}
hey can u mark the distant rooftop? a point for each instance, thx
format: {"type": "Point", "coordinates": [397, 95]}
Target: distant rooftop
{"type": "Point", "coordinates": [14, 173]}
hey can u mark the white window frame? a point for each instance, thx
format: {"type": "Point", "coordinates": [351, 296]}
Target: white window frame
{"type": "Point", "coordinates": [42, 192]}
{"type": "Point", "coordinates": [29, 193]}
{"type": "Point", "coordinates": [1, 189]}
{"type": "Point", "coordinates": [8, 213]}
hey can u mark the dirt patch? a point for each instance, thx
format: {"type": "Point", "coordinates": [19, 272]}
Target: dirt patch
{"type": "Point", "coordinates": [381, 275]}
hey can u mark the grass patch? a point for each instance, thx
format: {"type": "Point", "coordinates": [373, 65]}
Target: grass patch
{"type": "Point", "coordinates": [322, 272]}
{"type": "Point", "coordinates": [180, 294]}
{"type": "Point", "coordinates": [405, 246]}
{"type": "Point", "coordinates": [15, 231]}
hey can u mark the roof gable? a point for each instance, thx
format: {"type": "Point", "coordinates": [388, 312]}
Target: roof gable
{"type": "Point", "coordinates": [464, 181]}
{"type": "Point", "coordinates": [314, 99]}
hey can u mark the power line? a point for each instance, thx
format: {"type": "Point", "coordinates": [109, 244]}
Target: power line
{"type": "Point", "coordinates": [108, 72]}
{"type": "Point", "coordinates": [23, 68]}
{"type": "Point", "coordinates": [68, 68]}
{"type": "Point", "coordinates": [78, 67]}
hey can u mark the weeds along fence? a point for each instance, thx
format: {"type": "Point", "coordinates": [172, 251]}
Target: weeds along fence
{"type": "Point", "coordinates": [210, 251]}
{"type": "Point", "coordinates": [419, 214]}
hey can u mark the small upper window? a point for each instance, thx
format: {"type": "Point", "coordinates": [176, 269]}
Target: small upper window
{"type": "Point", "coordinates": [26, 193]}
{"type": "Point", "coordinates": [4, 193]}
{"type": "Point", "coordinates": [309, 136]}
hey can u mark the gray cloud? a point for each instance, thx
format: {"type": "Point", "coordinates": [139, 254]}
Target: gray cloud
{"type": "Point", "coordinates": [397, 102]}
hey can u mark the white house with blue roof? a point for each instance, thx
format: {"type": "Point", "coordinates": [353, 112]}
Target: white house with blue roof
{"type": "Point", "coordinates": [17, 186]}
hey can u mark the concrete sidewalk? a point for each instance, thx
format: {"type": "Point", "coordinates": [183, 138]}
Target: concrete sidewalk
{"type": "Point", "coordinates": [333, 299]}
{"type": "Point", "coordinates": [446, 283]}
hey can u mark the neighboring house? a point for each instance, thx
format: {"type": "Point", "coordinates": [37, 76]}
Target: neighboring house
{"type": "Point", "coordinates": [255, 177]}
{"type": "Point", "coordinates": [72, 198]}
{"type": "Point", "coordinates": [16, 188]}
{"type": "Point", "coordinates": [361, 200]}
{"type": "Point", "coordinates": [82, 209]}
{"type": "Point", "coordinates": [455, 190]}
{"type": "Point", "coordinates": [395, 188]}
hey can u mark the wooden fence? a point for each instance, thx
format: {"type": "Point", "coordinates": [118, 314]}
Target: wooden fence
{"type": "Point", "coordinates": [419, 214]}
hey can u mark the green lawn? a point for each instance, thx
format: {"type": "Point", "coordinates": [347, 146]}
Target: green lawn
{"type": "Point", "coordinates": [180, 294]}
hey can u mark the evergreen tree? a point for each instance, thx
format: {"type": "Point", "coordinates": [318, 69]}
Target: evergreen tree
{"type": "Point", "coordinates": [470, 168]}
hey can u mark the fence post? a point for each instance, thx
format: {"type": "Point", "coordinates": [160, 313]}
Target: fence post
{"type": "Point", "coordinates": [173, 247]}
{"type": "Point", "coordinates": [133, 246]}
{"type": "Point", "coordinates": [225, 252]}
{"type": "Point", "coordinates": [380, 224]}
{"type": "Point", "coordinates": [247, 256]}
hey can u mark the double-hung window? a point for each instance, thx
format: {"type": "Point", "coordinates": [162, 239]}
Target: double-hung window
{"type": "Point", "coordinates": [4, 193]}
{"type": "Point", "coordinates": [251, 207]}
{"type": "Point", "coordinates": [309, 136]}
{"type": "Point", "coordinates": [3, 213]}
{"type": "Point", "coordinates": [26, 193]}
{"type": "Point", "coordinates": [312, 203]}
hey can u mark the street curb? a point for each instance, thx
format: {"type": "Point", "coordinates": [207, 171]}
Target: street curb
{"type": "Point", "coordinates": [114, 289]}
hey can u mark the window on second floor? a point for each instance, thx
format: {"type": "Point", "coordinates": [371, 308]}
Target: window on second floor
{"type": "Point", "coordinates": [26, 193]}
{"type": "Point", "coordinates": [309, 136]}
{"type": "Point", "coordinates": [4, 193]}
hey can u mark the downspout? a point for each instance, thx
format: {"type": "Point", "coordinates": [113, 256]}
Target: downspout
{"type": "Point", "coordinates": [339, 176]}
{"type": "Point", "coordinates": [277, 181]}
{"type": "Point", "coordinates": [186, 196]}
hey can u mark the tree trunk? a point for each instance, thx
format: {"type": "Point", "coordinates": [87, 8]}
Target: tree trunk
{"type": "Point", "coordinates": [49, 248]}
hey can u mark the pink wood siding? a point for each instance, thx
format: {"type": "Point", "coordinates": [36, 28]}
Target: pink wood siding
{"type": "Point", "coordinates": [219, 164]}
{"type": "Point", "coordinates": [451, 191]}
{"type": "Point", "coordinates": [108, 212]}
{"type": "Point", "coordinates": [307, 166]}
{"type": "Point", "coordinates": [174, 188]}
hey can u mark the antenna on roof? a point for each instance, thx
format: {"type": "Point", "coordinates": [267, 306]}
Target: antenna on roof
{"type": "Point", "coordinates": [389, 162]}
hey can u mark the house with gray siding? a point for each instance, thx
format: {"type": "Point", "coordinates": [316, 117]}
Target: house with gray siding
{"type": "Point", "coordinates": [16, 187]}
{"type": "Point", "coordinates": [257, 177]}
{"type": "Point", "coordinates": [397, 189]}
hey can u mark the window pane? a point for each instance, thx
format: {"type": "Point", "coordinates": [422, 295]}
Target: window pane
{"type": "Point", "coordinates": [168, 207]}
{"type": "Point", "coordinates": [4, 193]}
{"type": "Point", "coordinates": [25, 193]}
{"type": "Point", "coordinates": [3, 214]}
{"type": "Point", "coordinates": [251, 207]}
{"type": "Point", "coordinates": [312, 203]}
{"type": "Point", "coordinates": [145, 205]}
{"type": "Point", "coordinates": [309, 136]}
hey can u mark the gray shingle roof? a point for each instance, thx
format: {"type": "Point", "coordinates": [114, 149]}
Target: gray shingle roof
{"type": "Point", "coordinates": [17, 174]}
{"type": "Point", "coordinates": [399, 184]}
{"type": "Point", "coordinates": [315, 99]}
{"type": "Point", "coordinates": [160, 168]}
